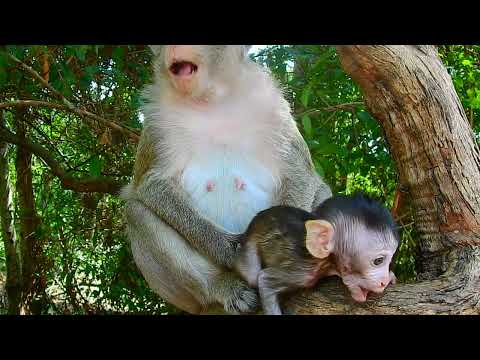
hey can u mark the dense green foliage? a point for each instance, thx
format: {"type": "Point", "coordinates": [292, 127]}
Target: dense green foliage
{"type": "Point", "coordinates": [87, 262]}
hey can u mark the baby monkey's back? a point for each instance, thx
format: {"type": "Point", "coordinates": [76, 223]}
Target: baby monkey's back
{"type": "Point", "coordinates": [279, 233]}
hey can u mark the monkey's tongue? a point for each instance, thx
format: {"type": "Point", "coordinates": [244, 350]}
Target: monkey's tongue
{"type": "Point", "coordinates": [183, 68]}
{"type": "Point", "coordinates": [364, 292]}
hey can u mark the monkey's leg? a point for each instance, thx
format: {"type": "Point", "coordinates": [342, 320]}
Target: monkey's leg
{"type": "Point", "coordinates": [160, 279]}
{"type": "Point", "coordinates": [269, 287]}
{"type": "Point", "coordinates": [248, 263]}
{"type": "Point", "coordinates": [178, 273]}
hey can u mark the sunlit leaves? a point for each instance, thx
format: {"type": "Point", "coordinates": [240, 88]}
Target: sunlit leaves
{"type": "Point", "coordinates": [96, 166]}
{"type": "Point", "coordinates": [84, 234]}
{"type": "Point", "coordinates": [307, 126]}
{"type": "Point", "coordinates": [463, 64]}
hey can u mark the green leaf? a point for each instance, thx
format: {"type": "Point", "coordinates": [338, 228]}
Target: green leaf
{"type": "Point", "coordinates": [305, 95]}
{"type": "Point", "coordinates": [16, 50]}
{"type": "Point", "coordinates": [319, 168]}
{"type": "Point", "coordinates": [3, 76]}
{"type": "Point", "coordinates": [80, 52]}
{"type": "Point", "coordinates": [365, 117]}
{"type": "Point", "coordinates": [96, 166]}
{"type": "Point", "coordinates": [475, 103]}
{"type": "Point", "coordinates": [307, 126]}
{"type": "Point", "coordinates": [3, 61]}
{"type": "Point", "coordinates": [118, 56]}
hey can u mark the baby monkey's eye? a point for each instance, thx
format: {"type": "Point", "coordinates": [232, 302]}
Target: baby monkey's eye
{"type": "Point", "coordinates": [378, 261]}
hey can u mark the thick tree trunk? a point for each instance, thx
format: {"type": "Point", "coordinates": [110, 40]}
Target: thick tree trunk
{"type": "Point", "coordinates": [30, 248]}
{"type": "Point", "coordinates": [408, 90]}
{"type": "Point", "coordinates": [12, 285]}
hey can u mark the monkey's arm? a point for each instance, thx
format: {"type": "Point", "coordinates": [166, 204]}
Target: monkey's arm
{"type": "Point", "coordinates": [167, 201]}
{"type": "Point", "coordinates": [164, 197]}
{"type": "Point", "coordinates": [301, 187]}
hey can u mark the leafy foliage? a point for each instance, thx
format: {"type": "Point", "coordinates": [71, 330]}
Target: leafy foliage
{"type": "Point", "coordinates": [88, 264]}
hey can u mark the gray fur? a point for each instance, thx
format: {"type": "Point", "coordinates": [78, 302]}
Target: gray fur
{"type": "Point", "coordinates": [185, 258]}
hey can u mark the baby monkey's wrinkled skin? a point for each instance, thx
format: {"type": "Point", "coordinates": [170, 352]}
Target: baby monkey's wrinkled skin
{"type": "Point", "coordinates": [287, 248]}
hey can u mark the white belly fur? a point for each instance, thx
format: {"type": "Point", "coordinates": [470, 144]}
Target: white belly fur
{"type": "Point", "coordinates": [226, 206]}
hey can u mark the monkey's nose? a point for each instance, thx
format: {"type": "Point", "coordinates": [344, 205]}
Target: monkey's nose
{"type": "Point", "coordinates": [384, 283]}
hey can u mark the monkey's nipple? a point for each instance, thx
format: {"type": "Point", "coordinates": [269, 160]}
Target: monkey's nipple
{"type": "Point", "coordinates": [239, 184]}
{"type": "Point", "coordinates": [210, 185]}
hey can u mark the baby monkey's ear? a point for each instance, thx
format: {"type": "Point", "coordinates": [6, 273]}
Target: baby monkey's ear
{"type": "Point", "coordinates": [319, 240]}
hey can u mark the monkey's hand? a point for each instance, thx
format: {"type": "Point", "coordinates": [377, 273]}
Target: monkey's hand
{"type": "Point", "coordinates": [228, 252]}
{"type": "Point", "coordinates": [169, 203]}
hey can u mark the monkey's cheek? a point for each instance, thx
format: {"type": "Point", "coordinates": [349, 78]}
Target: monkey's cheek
{"type": "Point", "coordinates": [393, 278]}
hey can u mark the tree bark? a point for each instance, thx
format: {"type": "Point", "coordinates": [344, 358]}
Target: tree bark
{"type": "Point", "coordinates": [408, 90]}
{"type": "Point", "coordinates": [12, 284]}
{"type": "Point", "coordinates": [30, 247]}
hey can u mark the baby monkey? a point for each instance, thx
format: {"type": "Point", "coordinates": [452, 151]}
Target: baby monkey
{"type": "Point", "coordinates": [286, 248]}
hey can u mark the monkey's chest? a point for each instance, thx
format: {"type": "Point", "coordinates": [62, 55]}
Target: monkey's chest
{"type": "Point", "coordinates": [228, 188]}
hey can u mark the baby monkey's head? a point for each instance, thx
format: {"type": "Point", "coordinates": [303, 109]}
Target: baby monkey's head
{"type": "Point", "coordinates": [362, 238]}
{"type": "Point", "coordinates": [200, 71]}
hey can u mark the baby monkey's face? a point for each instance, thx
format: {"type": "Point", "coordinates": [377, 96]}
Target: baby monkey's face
{"type": "Point", "coordinates": [362, 255]}
{"type": "Point", "coordinates": [367, 271]}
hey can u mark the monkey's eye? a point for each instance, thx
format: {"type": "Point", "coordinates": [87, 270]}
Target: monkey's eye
{"type": "Point", "coordinates": [378, 261]}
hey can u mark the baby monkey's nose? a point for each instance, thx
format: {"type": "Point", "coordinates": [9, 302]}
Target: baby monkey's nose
{"type": "Point", "coordinates": [384, 282]}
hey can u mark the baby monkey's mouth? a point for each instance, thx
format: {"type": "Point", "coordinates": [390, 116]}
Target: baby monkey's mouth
{"type": "Point", "coordinates": [183, 68]}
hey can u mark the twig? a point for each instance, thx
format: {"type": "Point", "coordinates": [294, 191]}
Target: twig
{"type": "Point", "coordinates": [37, 76]}
{"type": "Point", "coordinates": [37, 103]}
{"type": "Point", "coordinates": [102, 185]}
{"type": "Point", "coordinates": [67, 104]}
{"type": "Point", "coordinates": [47, 139]}
{"type": "Point", "coordinates": [408, 224]}
{"type": "Point", "coordinates": [346, 106]}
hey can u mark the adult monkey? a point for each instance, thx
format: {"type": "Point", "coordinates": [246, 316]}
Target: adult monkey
{"type": "Point", "coordinates": [219, 144]}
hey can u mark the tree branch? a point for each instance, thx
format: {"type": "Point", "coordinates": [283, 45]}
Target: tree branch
{"type": "Point", "coordinates": [451, 294]}
{"type": "Point", "coordinates": [67, 104]}
{"type": "Point", "coordinates": [408, 90]}
{"type": "Point", "coordinates": [346, 106]}
{"type": "Point", "coordinates": [101, 185]}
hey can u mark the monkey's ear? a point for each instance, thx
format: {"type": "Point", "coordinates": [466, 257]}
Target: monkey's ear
{"type": "Point", "coordinates": [319, 239]}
